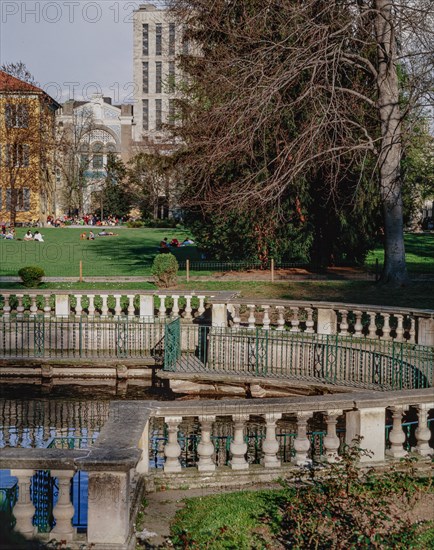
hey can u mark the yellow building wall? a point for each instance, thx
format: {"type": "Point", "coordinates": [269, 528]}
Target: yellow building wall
{"type": "Point", "coordinates": [31, 177]}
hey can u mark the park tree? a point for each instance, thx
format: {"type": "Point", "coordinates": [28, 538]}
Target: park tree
{"type": "Point", "coordinates": [74, 155]}
{"type": "Point", "coordinates": [151, 182]}
{"type": "Point", "coordinates": [301, 91]}
{"type": "Point", "coordinates": [115, 196]}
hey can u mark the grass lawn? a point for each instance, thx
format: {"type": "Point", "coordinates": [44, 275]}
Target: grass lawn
{"type": "Point", "coordinates": [130, 253]}
{"type": "Point", "coordinates": [253, 520]}
{"type": "Point", "coordinates": [419, 253]}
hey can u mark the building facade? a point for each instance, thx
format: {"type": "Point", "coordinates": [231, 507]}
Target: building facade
{"type": "Point", "coordinates": [88, 131]}
{"type": "Point", "coordinates": [156, 44]}
{"type": "Point", "coordinates": [27, 129]}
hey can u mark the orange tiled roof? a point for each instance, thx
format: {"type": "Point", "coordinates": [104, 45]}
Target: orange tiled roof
{"type": "Point", "coordinates": [9, 83]}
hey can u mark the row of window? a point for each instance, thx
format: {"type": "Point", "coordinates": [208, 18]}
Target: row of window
{"type": "Point", "coordinates": [22, 199]}
{"type": "Point", "coordinates": [16, 115]}
{"type": "Point", "coordinates": [158, 113]}
{"type": "Point", "coordinates": [158, 77]}
{"type": "Point", "coordinates": [159, 39]}
{"type": "Point", "coordinates": [17, 155]}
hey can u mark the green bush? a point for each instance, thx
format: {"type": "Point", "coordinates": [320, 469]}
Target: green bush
{"type": "Point", "coordinates": [162, 224]}
{"type": "Point", "coordinates": [165, 270]}
{"type": "Point", "coordinates": [31, 276]}
{"type": "Point", "coordinates": [135, 224]}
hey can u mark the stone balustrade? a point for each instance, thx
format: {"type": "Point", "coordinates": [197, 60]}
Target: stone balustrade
{"type": "Point", "coordinates": [120, 457]}
{"type": "Point", "coordinates": [375, 322]}
{"type": "Point", "coordinates": [104, 304]}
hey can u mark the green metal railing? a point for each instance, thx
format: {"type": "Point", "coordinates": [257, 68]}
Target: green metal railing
{"type": "Point", "coordinates": [332, 359]}
{"type": "Point", "coordinates": [81, 337]}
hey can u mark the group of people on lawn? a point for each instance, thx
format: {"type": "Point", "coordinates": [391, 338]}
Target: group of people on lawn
{"type": "Point", "coordinates": [9, 235]}
{"type": "Point", "coordinates": [174, 243]}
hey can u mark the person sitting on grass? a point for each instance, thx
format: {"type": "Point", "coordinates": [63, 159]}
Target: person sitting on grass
{"type": "Point", "coordinates": [187, 241]}
{"type": "Point", "coordinates": [174, 243]}
{"type": "Point", "coordinates": [28, 236]}
{"type": "Point", "coordinates": [91, 236]}
{"type": "Point", "coordinates": [38, 237]}
{"type": "Point", "coordinates": [10, 235]}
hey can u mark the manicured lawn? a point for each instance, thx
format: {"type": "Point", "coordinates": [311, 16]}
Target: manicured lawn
{"type": "Point", "coordinates": [419, 252]}
{"type": "Point", "coordinates": [129, 253]}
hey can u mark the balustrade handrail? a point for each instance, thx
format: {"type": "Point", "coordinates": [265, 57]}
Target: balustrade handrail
{"type": "Point", "coordinates": [226, 295]}
{"type": "Point", "coordinates": [329, 305]}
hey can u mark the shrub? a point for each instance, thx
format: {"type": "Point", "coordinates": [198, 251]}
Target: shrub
{"type": "Point", "coordinates": [31, 276]}
{"type": "Point", "coordinates": [135, 224]}
{"type": "Point", "coordinates": [165, 270]}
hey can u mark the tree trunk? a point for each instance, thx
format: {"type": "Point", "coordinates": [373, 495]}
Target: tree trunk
{"type": "Point", "coordinates": [394, 269]}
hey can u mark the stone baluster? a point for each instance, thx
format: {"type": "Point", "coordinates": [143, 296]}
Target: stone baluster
{"type": "Point", "coordinates": [301, 442]}
{"type": "Point", "coordinates": [188, 309]}
{"type": "Point", "coordinates": [201, 309]}
{"type": "Point", "coordinates": [131, 309]}
{"type": "Point", "coordinates": [281, 317]}
{"type": "Point", "coordinates": [295, 321]}
{"type": "Point", "coordinates": [238, 445]}
{"type": "Point", "coordinates": [331, 440]}
{"type": "Point", "coordinates": [162, 308]}
{"type": "Point", "coordinates": [386, 326]}
{"type": "Point", "coordinates": [397, 435]}
{"type": "Point", "coordinates": [64, 510]}
{"type": "Point", "coordinates": [344, 322]}
{"type": "Point", "coordinates": [6, 306]}
{"type": "Point", "coordinates": [175, 308]}
{"type": "Point", "coordinates": [372, 328]}
{"type": "Point", "coordinates": [47, 306]}
{"type": "Point", "coordinates": [309, 321]}
{"type": "Point", "coordinates": [251, 320]}
{"type": "Point", "coordinates": [104, 307]}
{"type": "Point", "coordinates": [78, 307]}
{"type": "Point", "coordinates": [118, 307]}
{"type": "Point", "coordinates": [91, 307]}
{"type": "Point", "coordinates": [33, 307]}
{"type": "Point", "coordinates": [270, 445]}
{"type": "Point", "coordinates": [412, 332]}
{"type": "Point", "coordinates": [358, 327]}
{"type": "Point", "coordinates": [20, 307]}
{"type": "Point", "coordinates": [400, 327]}
{"type": "Point", "coordinates": [24, 509]}
{"type": "Point", "coordinates": [205, 449]}
{"type": "Point", "coordinates": [172, 449]}
{"type": "Point", "coordinates": [423, 433]}
{"type": "Point", "coordinates": [237, 319]}
{"type": "Point", "coordinates": [266, 318]}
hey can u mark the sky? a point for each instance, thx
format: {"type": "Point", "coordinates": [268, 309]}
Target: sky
{"type": "Point", "coordinates": [73, 48]}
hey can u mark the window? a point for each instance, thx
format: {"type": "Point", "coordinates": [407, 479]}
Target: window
{"type": "Point", "coordinates": [22, 198]}
{"type": "Point", "coordinates": [145, 78]}
{"type": "Point", "coordinates": [84, 162]}
{"type": "Point", "coordinates": [171, 85]}
{"type": "Point", "coordinates": [158, 76]}
{"type": "Point", "coordinates": [172, 37]}
{"type": "Point", "coordinates": [17, 155]}
{"type": "Point", "coordinates": [158, 114]}
{"type": "Point", "coordinates": [145, 39]}
{"type": "Point", "coordinates": [158, 39]}
{"type": "Point", "coordinates": [97, 158]}
{"type": "Point", "coordinates": [145, 111]}
{"type": "Point", "coordinates": [185, 46]}
{"type": "Point", "coordinates": [16, 115]}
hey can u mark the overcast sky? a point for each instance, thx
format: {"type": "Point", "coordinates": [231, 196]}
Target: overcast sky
{"type": "Point", "coordinates": [73, 48]}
